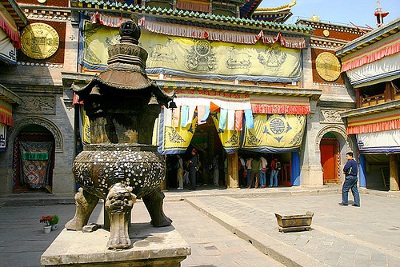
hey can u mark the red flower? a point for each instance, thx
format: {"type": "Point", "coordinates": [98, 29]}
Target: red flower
{"type": "Point", "coordinates": [46, 220]}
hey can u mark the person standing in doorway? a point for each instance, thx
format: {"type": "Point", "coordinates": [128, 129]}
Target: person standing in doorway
{"type": "Point", "coordinates": [193, 169]}
{"type": "Point", "coordinates": [179, 173]}
{"type": "Point", "coordinates": [248, 171]}
{"type": "Point", "coordinates": [215, 165]}
{"type": "Point", "coordinates": [263, 172]}
{"type": "Point", "coordinates": [273, 179]}
{"type": "Point", "coordinates": [242, 171]}
{"type": "Point", "coordinates": [350, 182]}
{"type": "Point", "coordinates": [255, 170]}
{"type": "Point", "coordinates": [226, 170]}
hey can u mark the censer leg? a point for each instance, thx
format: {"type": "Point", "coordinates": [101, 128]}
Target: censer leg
{"type": "Point", "coordinates": [154, 205]}
{"type": "Point", "coordinates": [85, 204]}
{"type": "Point", "coordinates": [119, 203]}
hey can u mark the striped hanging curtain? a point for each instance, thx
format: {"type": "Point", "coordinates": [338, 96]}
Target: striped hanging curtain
{"type": "Point", "coordinates": [386, 49]}
{"type": "Point", "coordinates": [199, 5]}
{"type": "Point", "coordinates": [8, 25]}
{"type": "Point", "coordinates": [6, 113]}
{"type": "Point", "coordinates": [220, 35]}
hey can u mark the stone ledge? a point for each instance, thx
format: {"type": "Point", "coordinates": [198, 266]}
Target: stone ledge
{"type": "Point", "coordinates": [151, 247]}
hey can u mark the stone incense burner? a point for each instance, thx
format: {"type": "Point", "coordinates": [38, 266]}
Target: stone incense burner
{"type": "Point", "coordinates": [120, 165]}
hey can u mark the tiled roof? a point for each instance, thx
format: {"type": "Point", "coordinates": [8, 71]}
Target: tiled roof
{"type": "Point", "coordinates": [276, 9]}
{"type": "Point", "coordinates": [374, 36]}
{"type": "Point", "coordinates": [248, 8]}
{"type": "Point", "coordinates": [192, 17]}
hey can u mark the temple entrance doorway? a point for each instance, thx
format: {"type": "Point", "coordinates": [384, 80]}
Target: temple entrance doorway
{"type": "Point", "coordinates": [330, 158]}
{"type": "Point", "coordinates": [208, 145]}
{"type": "Point", "coordinates": [33, 160]}
{"type": "Point", "coordinates": [212, 155]}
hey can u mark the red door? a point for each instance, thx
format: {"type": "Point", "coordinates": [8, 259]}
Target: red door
{"type": "Point", "coordinates": [329, 161]}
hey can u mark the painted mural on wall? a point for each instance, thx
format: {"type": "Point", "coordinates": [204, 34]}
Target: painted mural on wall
{"type": "Point", "coordinates": [197, 58]}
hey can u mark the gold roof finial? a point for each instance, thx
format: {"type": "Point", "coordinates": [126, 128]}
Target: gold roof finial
{"type": "Point", "coordinates": [314, 18]}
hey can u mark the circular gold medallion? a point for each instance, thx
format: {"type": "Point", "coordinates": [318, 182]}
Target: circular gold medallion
{"type": "Point", "coordinates": [325, 33]}
{"type": "Point", "coordinates": [328, 66]}
{"type": "Point", "coordinates": [39, 41]}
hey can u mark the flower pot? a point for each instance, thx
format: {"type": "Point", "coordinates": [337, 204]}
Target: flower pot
{"type": "Point", "coordinates": [54, 227]}
{"type": "Point", "coordinates": [47, 229]}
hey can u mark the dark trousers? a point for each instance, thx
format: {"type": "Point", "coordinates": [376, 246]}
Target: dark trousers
{"type": "Point", "coordinates": [242, 180]}
{"type": "Point", "coordinates": [350, 183]}
{"type": "Point", "coordinates": [192, 178]}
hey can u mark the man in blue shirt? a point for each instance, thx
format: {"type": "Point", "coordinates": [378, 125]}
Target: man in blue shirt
{"type": "Point", "coordinates": [350, 171]}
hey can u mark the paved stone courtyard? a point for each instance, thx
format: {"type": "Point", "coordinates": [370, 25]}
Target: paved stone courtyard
{"type": "Point", "coordinates": [239, 228]}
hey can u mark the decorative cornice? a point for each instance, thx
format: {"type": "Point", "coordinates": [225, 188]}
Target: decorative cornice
{"type": "Point", "coordinates": [46, 14]}
{"type": "Point", "coordinates": [232, 88]}
{"type": "Point", "coordinates": [331, 44]}
{"type": "Point", "coordinates": [49, 65]}
{"type": "Point", "coordinates": [81, 78]}
{"type": "Point", "coordinates": [332, 27]}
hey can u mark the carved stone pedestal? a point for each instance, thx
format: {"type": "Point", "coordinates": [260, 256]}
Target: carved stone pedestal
{"type": "Point", "coordinates": [150, 247]}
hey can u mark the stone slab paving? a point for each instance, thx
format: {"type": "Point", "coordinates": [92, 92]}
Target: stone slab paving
{"type": "Point", "coordinates": [206, 219]}
{"type": "Point", "coordinates": [340, 236]}
{"type": "Point", "coordinates": [22, 240]}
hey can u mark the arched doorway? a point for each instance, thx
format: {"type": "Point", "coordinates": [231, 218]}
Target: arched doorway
{"type": "Point", "coordinates": [33, 159]}
{"type": "Point", "coordinates": [330, 158]}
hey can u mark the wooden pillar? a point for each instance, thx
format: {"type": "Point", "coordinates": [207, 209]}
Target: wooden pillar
{"type": "Point", "coordinates": [394, 174]}
{"type": "Point", "coordinates": [358, 98]}
{"type": "Point", "coordinates": [233, 170]}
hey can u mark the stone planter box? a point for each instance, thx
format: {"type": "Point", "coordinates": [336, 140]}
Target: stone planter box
{"type": "Point", "coordinates": [294, 222]}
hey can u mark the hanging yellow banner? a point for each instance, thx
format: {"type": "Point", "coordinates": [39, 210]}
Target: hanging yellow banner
{"type": "Point", "coordinates": [230, 139]}
{"type": "Point", "coordinates": [177, 139]}
{"type": "Point", "coordinates": [275, 132]}
{"type": "Point", "coordinates": [197, 58]}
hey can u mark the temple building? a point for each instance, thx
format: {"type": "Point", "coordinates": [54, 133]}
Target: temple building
{"type": "Point", "coordinates": [245, 85]}
{"type": "Point", "coordinates": [372, 65]}
{"type": "Point", "coordinates": [327, 141]}
{"type": "Point", "coordinates": [237, 82]}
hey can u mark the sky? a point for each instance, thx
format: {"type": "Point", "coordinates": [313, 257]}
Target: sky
{"type": "Point", "coordinates": [359, 12]}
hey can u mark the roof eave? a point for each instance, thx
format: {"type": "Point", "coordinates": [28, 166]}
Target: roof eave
{"type": "Point", "coordinates": [385, 31]}
{"type": "Point", "coordinates": [395, 104]}
{"type": "Point", "coordinates": [9, 96]}
{"type": "Point", "coordinates": [214, 20]}
{"type": "Point", "coordinates": [23, 20]}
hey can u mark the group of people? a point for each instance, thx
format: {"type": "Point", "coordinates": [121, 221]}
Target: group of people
{"type": "Point", "coordinates": [190, 173]}
{"type": "Point", "coordinates": [255, 171]}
